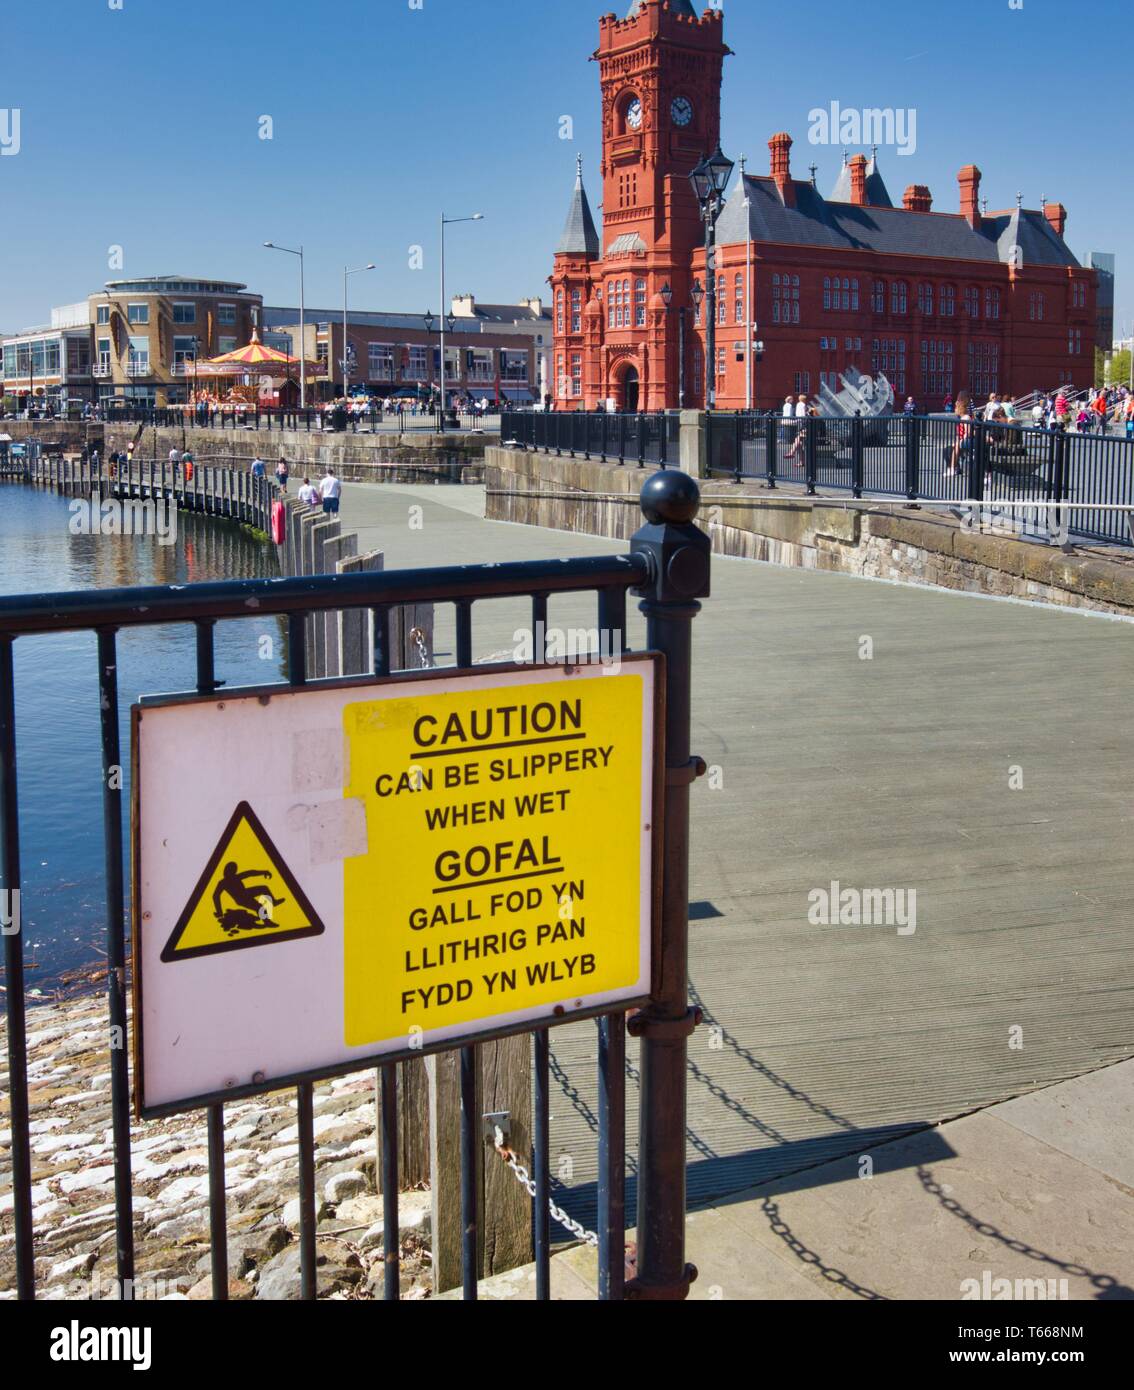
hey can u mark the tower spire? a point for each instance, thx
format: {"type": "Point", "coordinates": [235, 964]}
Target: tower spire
{"type": "Point", "coordinates": [579, 235]}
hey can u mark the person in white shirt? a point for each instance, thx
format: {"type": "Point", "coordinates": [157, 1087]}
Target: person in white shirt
{"type": "Point", "coordinates": [801, 408]}
{"type": "Point", "coordinates": [789, 408]}
{"type": "Point", "coordinates": [307, 494]}
{"type": "Point", "coordinates": [330, 489]}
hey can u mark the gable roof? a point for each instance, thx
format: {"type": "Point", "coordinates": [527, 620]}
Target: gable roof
{"type": "Point", "coordinates": [816, 221]}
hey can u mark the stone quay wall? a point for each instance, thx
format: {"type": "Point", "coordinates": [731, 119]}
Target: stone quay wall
{"type": "Point", "coordinates": [875, 539]}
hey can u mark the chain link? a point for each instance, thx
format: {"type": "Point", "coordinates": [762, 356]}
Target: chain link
{"type": "Point", "coordinates": [422, 651]}
{"type": "Point", "coordinates": [526, 1181]}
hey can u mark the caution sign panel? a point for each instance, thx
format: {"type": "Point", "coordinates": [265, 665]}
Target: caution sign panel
{"type": "Point", "coordinates": [429, 860]}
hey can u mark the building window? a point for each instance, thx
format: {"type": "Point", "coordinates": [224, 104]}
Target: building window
{"type": "Point", "coordinates": [1036, 306]}
{"type": "Point", "coordinates": [948, 304]}
{"type": "Point", "coordinates": [984, 367]}
{"type": "Point", "coordinates": [639, 303]}
{"type": "Point", "coordinates": [138, 313]}
{"type": "Point", "coordinates": [925, 299]}
{"type": "Point", "coordinates": [185, 313]}
{"type": "Point", "coordinates": [1078, 294]}
{"type": "Point", "coordinates": [1075, 341]}
{"type": "Point", "coordinates": [991, 303]}
{"type": "Point", "coordinates": [802, 383]}
{"type": "Point", "coordinates": [854, 296]}
{"type": "Point", "coordinates": [972, 301]}
{"type": "Point", "coordinates": [184, 349]}
{"type": "Point", "coordinates": [559, 311]}
{"type": "Point", "coordinates": [78, 357]}
{"type": "Point", "coordinates": [138, 361]}
{"type": "Point", "coordinates": [380, 361]}
{"type": "Point", "coordinates": [937, 368]}
{"type": "Point", "coordinates": [576, 373]}
{"type": "Point", "coordinates": [738, 299]}
{"type": "Point", "coordinates": [785, 299]}
{"type": "Point", "coordinates": [899, 297]}
{"type": "Point", "coordinates": [722, 298]}
{"type": "Point", "coordinates": [226, 314]}
{"type": "Point", "coordinates": [576, 311]}
{"type": "Point", "coordinates": [226, 343]}
{"type": "Point", "coordinates": [561, 374]}
{"type": "Point", "coordinates": [826, 291]}
{"type": "Point", "coordinates": [878, 297]}
{"type": "Point", "coordinates": [721, 354]}
{"type": "Point", "coordinates": [102, 314]}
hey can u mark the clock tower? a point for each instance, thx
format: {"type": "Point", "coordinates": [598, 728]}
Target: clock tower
{"type": "Point", "coordinates": [660, 71]}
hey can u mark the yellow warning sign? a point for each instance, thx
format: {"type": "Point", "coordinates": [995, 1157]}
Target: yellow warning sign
{"type": "Point", "coordinates": [246, 896]}
{"type": "Point", "coordinates": [508, 865]}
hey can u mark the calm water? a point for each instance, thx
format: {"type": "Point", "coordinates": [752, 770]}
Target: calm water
{"type": "Point", "coordinates": [58, 749]}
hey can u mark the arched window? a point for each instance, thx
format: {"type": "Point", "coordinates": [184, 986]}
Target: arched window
{"type": "Point", "coordinates": [854, 295]}
{"type": "Point", "coordinates": [878, 298]}
{"type": "Point", "coordinates": [899, 297]}
{"type": "Point", "coordinates": [640, 303]}
{"type": "Point", "coordinates": [559, 311]}
{"type": "Point", "coordinates": [826, 291]}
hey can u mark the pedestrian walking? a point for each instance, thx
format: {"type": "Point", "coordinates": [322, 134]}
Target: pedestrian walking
{"type": "Point", "coordinates": [282, 474]}
{"type": "Point", "coordinates": [330, 489]}
{"type": "Point", "coordinates": [963, 442]}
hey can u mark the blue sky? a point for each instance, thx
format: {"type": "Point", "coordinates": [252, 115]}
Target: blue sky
{"type": "Point", "coordinates": [139, 127]}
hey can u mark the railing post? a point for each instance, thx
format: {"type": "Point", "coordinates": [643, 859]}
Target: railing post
{"type": "Point", "coordinates": [809, 459]}
{"type": "Point", "coordinates": [771, 440]}
{"type": "Point", "coordinates": [678, 556]}
{"type": "Point", "coordinates": [978, 456]}
{"type": "Point", "coordinates": [913, 456]}
{"type": "Point", "coordinates": [856, 456]}
{"type": "Point", "coordinates": [738, 445]}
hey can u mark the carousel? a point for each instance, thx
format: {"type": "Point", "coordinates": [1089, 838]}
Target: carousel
{"type": "Point", "coordinates": [257, 375]}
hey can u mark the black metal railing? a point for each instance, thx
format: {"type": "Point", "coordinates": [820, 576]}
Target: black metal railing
{"type": "Point", "coordinates": [618, 438]}
{"type": "Point", "coordinates": [668, 566]}
{"type": "Point", "coordinates": [309, 420]}
{"type": "Point", "coordinates": [934, 458]}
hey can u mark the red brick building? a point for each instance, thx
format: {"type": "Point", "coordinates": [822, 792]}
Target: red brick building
{"type": "Point", "coordinates": [938, 301]}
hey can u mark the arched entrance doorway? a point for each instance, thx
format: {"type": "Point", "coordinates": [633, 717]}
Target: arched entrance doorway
{"type": "Point", "coordinates": [628, 389]}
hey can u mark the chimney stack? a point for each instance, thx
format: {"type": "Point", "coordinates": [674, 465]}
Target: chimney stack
{"type": "Point", "coordinates": [780, 146]}
{"type": "Point", "coordinates": [969, 179]}
{"type": "Point", "coordinates": [917, 198]}
{"type": "Point", "coordinates": [1056, 214]}
{"type": "Point", "coordinates": [858, 180]}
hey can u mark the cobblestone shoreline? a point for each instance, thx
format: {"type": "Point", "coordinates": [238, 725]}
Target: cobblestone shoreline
{"type": "Point", "coordinates": [73, 1183]}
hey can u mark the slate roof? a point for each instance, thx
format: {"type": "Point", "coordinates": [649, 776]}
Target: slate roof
{"type": "Point", "coordinates": [579, 236]}
{"type": "Point", "coordinates": [816, 221]}
{"type": "Point", "coordinates": [508, 313]}
{"type": "Point", "coordinates": [877, 194]}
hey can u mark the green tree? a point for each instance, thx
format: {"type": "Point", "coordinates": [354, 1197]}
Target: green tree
{"type": "Point", "coordinates": [1119, 370]}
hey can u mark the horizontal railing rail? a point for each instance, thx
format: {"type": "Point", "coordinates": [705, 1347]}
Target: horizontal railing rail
{"type": "Point", "coordinates": [626, 438]}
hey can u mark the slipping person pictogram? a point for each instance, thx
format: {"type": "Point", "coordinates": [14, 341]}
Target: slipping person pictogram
{"type": "Point", "coordinates": [246, 896]}
{"type": "Point", "coordinates": [253, 910]}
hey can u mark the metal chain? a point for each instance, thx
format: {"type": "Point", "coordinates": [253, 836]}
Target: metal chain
{"type": "Point", "coordinates": [525, 1180]}
{"type": "Point", "coordinates": [422, 651]}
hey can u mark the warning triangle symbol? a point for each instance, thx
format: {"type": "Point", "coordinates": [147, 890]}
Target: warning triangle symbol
{"type": "Point", "coordinates": [247, 896]}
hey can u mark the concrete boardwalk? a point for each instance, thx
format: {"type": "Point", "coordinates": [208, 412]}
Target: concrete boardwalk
{"type": "Point", "coordinates": [981, 756]}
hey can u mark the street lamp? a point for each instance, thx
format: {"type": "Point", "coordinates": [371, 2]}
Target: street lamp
{"type": "Point", "coordinates": [271, 245]}
{"type": "Point", "coordinates": [666, 293]}
{"type": "Point", "coordinates": [346, 341]}
{"type": "Point", "coordinates": [447, 222]}
{"type": "Point", "coordinates": [710, 179]}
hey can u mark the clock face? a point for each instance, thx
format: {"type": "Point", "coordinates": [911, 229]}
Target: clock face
{"type": "Point", "coordinates": [681, 110]}
{"type": "Point", "coordinates": [634, 114]}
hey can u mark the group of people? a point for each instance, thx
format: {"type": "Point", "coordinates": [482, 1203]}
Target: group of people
{"type": "Point", "coordinates": [326, 493]}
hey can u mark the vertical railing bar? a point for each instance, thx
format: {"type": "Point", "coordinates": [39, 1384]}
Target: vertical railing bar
{"type": "Point", "coordinates": [19, 1113]}
{"type": "Point", "coordinates": [116, 956]}
{"type": "Point", "coordinates": [612, 619]}
{"type": "Point", "coordinates": [541, 1157]}
{"type": "Point", "coordinates": [469, 1149]}
{"type": "Point", "coordinates": [464, 631]}
{"type": "Point", "coordinates": [296, 649]}
{"type": "Point", "coordinates": [388, 1074]}
{"type": "Point", "coordinates": [612, 1157]}
{"type": "Point", "coordinates": [539, 627]}
{"type": "Point", "coordinates": [380, 626]}
{"type": "Point", "coordinates": [305, 1115]}
{"type": "Point", "coordinates": [218, 1215]}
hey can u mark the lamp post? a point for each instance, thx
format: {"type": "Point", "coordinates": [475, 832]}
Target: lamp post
{"type": "Point", "coordinates": [271, 245]}
{"type": "Point", "coordinates": [346, 341]}
{"type": "Point", "coordinates": [666, 293]}
{"type": "Point", "coordinates": [709, 180]}
{"type": "Point", "coordinates": [697, 294]}
{"type": "Point", "coordinates": [445, 315]}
